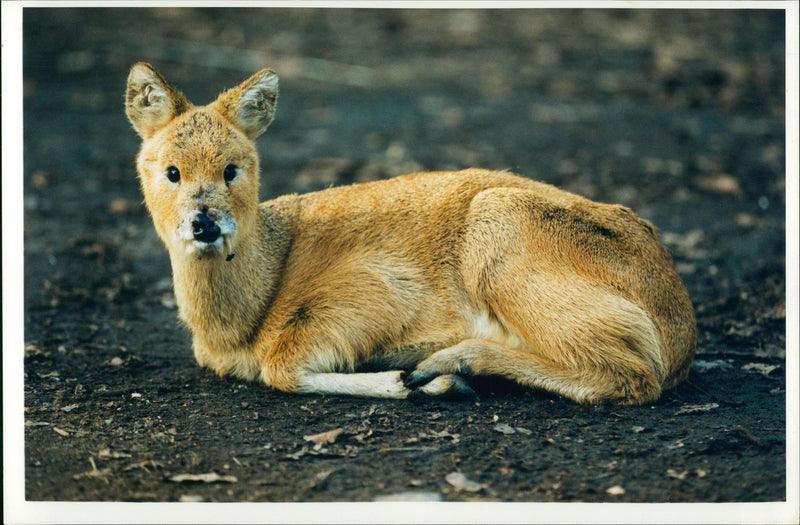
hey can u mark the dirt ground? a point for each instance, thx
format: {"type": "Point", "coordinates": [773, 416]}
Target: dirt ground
{"type": "Point", "coordinates": [677, 114]}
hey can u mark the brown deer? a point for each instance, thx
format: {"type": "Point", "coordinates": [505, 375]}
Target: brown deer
{"type": "Point", "coordinates": [400, 286]}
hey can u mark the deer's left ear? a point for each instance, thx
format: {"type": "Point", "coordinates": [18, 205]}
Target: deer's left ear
{"type": "Point", "coordinates": [251, 105]}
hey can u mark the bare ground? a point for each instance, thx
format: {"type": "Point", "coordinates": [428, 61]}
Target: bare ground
{"type": "Point", "coordinates": [677, 114]}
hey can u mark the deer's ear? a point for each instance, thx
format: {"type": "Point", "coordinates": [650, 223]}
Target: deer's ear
{"type": "Point", "coordinates": [150, 102]}
{"type": "Point", "coordinates": [251, 105]}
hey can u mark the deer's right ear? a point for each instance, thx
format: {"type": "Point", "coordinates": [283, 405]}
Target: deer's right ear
{"type": "Point", "coordinates": [150, 102]}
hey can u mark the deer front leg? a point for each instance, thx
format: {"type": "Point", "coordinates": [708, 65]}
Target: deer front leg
{"type": "Point", "coordinates": [388, 384]}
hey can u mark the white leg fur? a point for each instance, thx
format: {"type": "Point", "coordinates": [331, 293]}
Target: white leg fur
{"type": "Point", "coordinates": [378, 384]}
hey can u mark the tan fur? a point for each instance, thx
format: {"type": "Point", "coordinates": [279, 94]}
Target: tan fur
{"type": "Point", "coordinates": [449, 273]}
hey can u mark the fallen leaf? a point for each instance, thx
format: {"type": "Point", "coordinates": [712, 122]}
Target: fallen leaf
{"type": "Point", "coordinates": [677, 475]}
{"type": "Point", "coordinates": [60, 432]}
{"type": "Point", "coordinates": [722, 183]}
{"type": "Point", "coordinates": [320, 479]}
{"type": "Point", "coordinates": [705, 366]}
{"type": "Point", "coordinates": [211, 477]}
{"type": "Point", "coordinates": [441, 435]}
{"type": "Point", "coordinates": [460, 482]}
{"type": "Point", "coordinates": [106, 453]}
{"type": "Point", "coordinates": [504, 428]}
{"type": "Point", "coordinates": [324, 438]}
{"type": "Point", "coordinates": [69, 408]}
{"type": "Point", "coordinates": [616, 490]}
{"type": "Point", "coordinates": [94, 473]}
{"type": "Point", "coordinates": [637, 429]}
{"type": "Point", "coordinates": [116, 361]}
{"type": "Point", "coordinates": [191, 498]}
{"type": "Point", "coordinates": [143, 465]}
{"type": "Point", "coordinates": [693, 409]}
{"type": "Point", "coordinates": [760, 367]}
{"type": "Point", "coordinates": [411, 496]}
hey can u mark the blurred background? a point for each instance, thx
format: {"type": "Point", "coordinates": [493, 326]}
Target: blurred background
{"type": "Point", "coordinates": [678, 114]}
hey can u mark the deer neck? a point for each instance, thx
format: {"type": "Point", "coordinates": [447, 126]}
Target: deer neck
{"type": "Point", "coordinates": [225, 300]}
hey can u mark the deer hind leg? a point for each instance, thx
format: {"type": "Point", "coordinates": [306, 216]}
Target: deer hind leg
{"type": "Point", "coordinates": [540, 273]}
{"type": "Point", "coordinates": [629, 384]}
{"type": "Point", "coordinates": [583, 343]}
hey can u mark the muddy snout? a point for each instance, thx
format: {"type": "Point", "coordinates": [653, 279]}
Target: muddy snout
{"type": "Point", "coordinates": [205, 229]}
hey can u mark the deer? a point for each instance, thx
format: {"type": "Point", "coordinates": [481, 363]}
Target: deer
{"type": "Point", "coordinates": [405, 287]}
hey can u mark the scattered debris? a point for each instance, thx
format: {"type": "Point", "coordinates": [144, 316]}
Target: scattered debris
{"type": "Point", "coordinates": [191, 498]}
{"type": "Point", "coordinates": [637, 429]}
{"type": "Point", "coordinates": [760, 368]}
{"type": "Point", "coordinates": [437, 435]}
{"type": "Point", "coordinates": [106, 453]}
{"type": "Point", "coordinates": [116, 361]}
{"type": "Point", "coordinates": [324, 438]}
{"type": "Point", "coordinates": [210, 477]}
{"type": "Point", "coordinates": [94, 473]}
{"type": "Point", "coordinates": [60, 432]}
{"type": "Point", "coordinates": [320, 479]}
{"type": "Point", "coordinates": [408, 449]}
{"type": "Point", "coordinates": [136, 395]}
{"type": "Point", "coordinates": [694, 409]}
{"type": "Point", "coordinates": [616, 490]}
{"type": "Point", "coordinates": [143, 465]}
{"type": "Point", "coordinates": [705, 366]}
{"type": "Point", "coordinates": [412, 495]}
{"type": "Point", "coordinates": [460, 482]}
{"type": "Point", "coordinates": [677, 475]}
{"type": "Point", "coordinates": [722, 183]}
{"type": "Point", "coordinates": [69, 408]}
{"type": "Point", "coordinates": [506, 429]}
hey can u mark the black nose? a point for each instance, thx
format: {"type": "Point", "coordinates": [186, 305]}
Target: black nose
{"type": "Point", "coordinates": [204, 228]}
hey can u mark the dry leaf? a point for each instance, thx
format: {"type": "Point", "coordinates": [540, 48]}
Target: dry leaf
{"type": "Point", "coordinates": [324, 438]}
{"type": "Point", "coordinates": [411, 496]}
{"type": "Point", "coordinates": [439, 435]}
{"type": "Point", "coordinates": [616, 490]}
{"type": "Point", "coordinates": [106, 453]}
{"type": "Point", "coordinates": [693, 409]}
{"type": "Point", "coordinates": [460, 482]}
{"type": "Point", "coordinates": [722, 183]}
{"type": "Point", "coordinates": [760, 367]}
{"type": "Point", "coordinates": [69, 408]}
{"type": "Point", "coordinates": [503, 428]}
{"type": "Point", "coordinates": [677, 475]}
{"type": "Point", "coordinates": [61, 432]}
{"type": "Point", "coordinates": [211, 477]}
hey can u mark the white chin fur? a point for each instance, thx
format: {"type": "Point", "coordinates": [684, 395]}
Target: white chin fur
{"type": "Point", "coordinates": [222, 246]}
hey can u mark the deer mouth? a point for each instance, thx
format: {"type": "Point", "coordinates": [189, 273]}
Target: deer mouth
{"type": "Point", "coordinates": [208, 233]}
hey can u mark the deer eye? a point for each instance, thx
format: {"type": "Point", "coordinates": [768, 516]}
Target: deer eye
{"type": "Point", "coordinates": [173, 174]}
{"type": "Point", "coordinates": [230, 172]}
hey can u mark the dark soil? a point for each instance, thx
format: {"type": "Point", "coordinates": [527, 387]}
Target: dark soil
{"type": "Point", "coordinates": [677, 114]}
